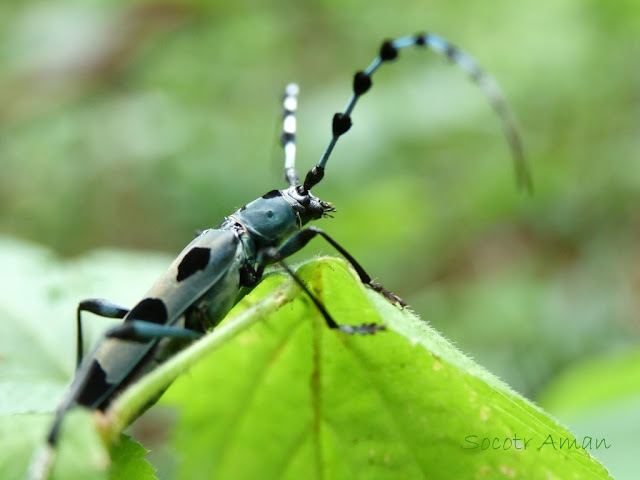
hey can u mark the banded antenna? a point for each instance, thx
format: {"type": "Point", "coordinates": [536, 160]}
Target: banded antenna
{"type": "Point", "coordinates": [389, 51]}
{"type": "Point", "coordinates": [288, 137]}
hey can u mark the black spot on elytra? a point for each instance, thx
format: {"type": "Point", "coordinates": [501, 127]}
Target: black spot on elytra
{"type": "Point", "coordinates": [95, 386]}
{"type": "Point", "coordinates": [271, 194]}
{"type": "Point", "coordinates": [149, 310]}
{"type": "Point", "coordinates": [196, 259]}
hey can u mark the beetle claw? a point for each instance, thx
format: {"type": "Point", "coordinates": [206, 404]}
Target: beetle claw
{"type": "Point", "coordinates": [364, 329]}
{"type": "Point", "coordinates": [388, 295]}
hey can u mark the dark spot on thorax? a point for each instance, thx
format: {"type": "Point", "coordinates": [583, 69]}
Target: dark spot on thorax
{"type": "Point", "coordinates": [272, 194]}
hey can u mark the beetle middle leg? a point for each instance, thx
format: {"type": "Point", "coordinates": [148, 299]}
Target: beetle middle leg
{"type": "Point", "coordinates": [133, 329]}
{"type": "Point", "coordinates": [145, 331]}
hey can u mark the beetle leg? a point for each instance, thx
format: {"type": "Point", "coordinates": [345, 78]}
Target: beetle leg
{"type": "Point", "coordinates": [98, 306]}
{"type": "Point", "coordinates": [249, 276]}
{"type": "Point", "coordinates": [274, 255]}
{"type": "Point", "coordinates": [144, 331]}
{"type": "Point", "coordinates": [302, 237]}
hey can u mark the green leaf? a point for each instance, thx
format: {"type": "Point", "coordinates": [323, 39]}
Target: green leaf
{"type": "Point", "coordinates": [289, 398]}
{"type": "Point", "coordinates": [273, 393]}
{"type": "Point", "coordinates": [576, 391]}
{"type": "Point", "coordinates": [38, 297]}
{"type": "Point", "coordinates": [129, 463]}
{"type": "Point", "coordinates": [602, 395]}
{"type": "Point", "coordinates": [81, 453]}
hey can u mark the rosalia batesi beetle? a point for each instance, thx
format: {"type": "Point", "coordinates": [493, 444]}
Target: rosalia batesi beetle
{"type": "Point", "coordinates": [203, 282]}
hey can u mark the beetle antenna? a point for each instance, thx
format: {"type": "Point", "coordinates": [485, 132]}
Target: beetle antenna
{"type": "Point", "coordinates": [288, 137]}
{"type": "Point", "coordinates": [389, 51]}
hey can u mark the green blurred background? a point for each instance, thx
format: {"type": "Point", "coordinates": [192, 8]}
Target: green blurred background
{"type": "Point", "coordinates": [132, 124]}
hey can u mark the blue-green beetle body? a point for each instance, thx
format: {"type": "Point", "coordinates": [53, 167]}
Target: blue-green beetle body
{"type": "Point", "coordinates": [195, 293]}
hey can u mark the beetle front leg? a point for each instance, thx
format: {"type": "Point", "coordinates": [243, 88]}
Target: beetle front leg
{"type": "Point", "coordinates": [98, 306]}
{"type": "Point", "coordinates": [301, 238]}
{"type": "Point", "coordinates": [273, 255]}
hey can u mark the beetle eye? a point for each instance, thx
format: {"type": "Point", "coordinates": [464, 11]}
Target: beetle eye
{"type": "Point", "coordinates": [304, 200]}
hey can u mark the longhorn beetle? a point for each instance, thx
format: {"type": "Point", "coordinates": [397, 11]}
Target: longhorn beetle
{"type": "Point", "coordinates": [203, 282]}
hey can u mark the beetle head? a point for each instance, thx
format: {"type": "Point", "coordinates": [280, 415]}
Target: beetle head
{"type": "Point", "coordinates": [307, 206]}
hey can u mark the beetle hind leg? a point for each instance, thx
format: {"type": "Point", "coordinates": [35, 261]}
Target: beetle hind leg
{"type": "Point", "coordinates": [97, 306]}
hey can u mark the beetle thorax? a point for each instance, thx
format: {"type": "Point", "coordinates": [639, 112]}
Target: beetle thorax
{"type": "Point", "coordinates": [279, 213]}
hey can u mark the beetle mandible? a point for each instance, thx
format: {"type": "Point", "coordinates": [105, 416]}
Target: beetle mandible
{"type": "Point", "coordinates": [202, 284]}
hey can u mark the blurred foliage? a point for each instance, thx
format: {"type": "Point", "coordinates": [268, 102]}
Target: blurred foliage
{"type": "Point", "coordinates": [131, 124]}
